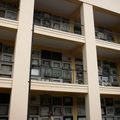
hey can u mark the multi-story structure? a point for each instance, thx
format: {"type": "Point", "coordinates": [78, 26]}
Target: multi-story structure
{"type": "Point", "coordinates": [75, 59]}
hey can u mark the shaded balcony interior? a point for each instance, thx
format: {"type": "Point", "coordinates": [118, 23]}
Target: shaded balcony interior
{"type": "Point", "coordinates": [9, 9]}
{"type": "Point", "coordinates": [110, 107]}
{"type": "Point", "coordinates": [4, 105]}
{"type": "Point", "coordinates": [61, 15]}
{"type": "Point", "coordinates": [108, 67]}
{"type": "Point", "coordinates": [107, 25]}
{"type": "Point", "coordinates": [57, 60]}
{"type": "Point", "coordinates": [60, 106]}
{"type": "Point", "coordinates": [7, 44]}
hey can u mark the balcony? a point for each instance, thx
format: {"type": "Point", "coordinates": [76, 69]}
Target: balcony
{"type": "Point", "coordinates": [8, 10]}
{"type": "Point", "coordinates": [6, 60]}
{"type": "Point", "coordinates": [4, 106]}
{"type": "Point", "coordinates": [61, 107]}
{"type": "Point", "coordinates": [110, 107]}
{"type": "Point", "coordinates": [108, 75]}
{"type": "Point", "coordinates": [55, 68]}
{"type": "Point", "coordinates": [65, 19]}
{"type": "Point", "coordinates": [55, 65]}
{"type": "Point", "coordinates": [107, 35]}
{"type": "Point", "coordinates": [107, 29]}
{"type": "Point", "coordinates": [59, 75]}
{"type": "Point", "coordinates": [58, 23]}
{"type": "Point", "coordinates": [7, 44]}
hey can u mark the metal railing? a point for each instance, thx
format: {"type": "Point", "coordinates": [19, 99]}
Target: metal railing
{"type": "Point", "coordinates": [109, 80]}
{"type": "Point", "coordinates": [110, 108]}
{"type": "Point", "coordinates": [4, 108]}
{"type": "Point", "coordinates": [6, 69]}
{"type": "Point", "coordinates": [56, 22]}
{"type": "Point", "coordinates": [6, 60]}
{"type": "Point", "coordinates": [8, 11]}
{"type": "Point", "coordinates": [108, 36]}
{"type": "Point", "coordinates": [60, 75]}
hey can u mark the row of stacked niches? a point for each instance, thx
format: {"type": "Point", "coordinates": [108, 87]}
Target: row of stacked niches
{"type": "Point", "coordinates": [108, 73]}
{"type": "Point", "coordinates": [45, 19]}
{"type": "Point", "coordinates": [59, 107]}
{"type": "Point", "coordinates": [110, 108]}
{"type": "Point", "coordinates": [55, 67]}
{"type": "Point", "coordinates": [8, 11]}
{"type": "Point", "coordinates": [6, 60]}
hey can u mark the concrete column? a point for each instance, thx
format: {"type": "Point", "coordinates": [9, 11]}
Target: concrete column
{"type": "Point", "coordinates": [71, 26]}
{"type": "Point", "coordinates": [74, 108]}
{"type": "Point", "coordinates": [93, 109]}
{"type": "Point", "coordinates": [118, 69]}
{"type": "Point", "coordinates": [19, 93]}
{"type": "Point", "coordinates": [73, 69]}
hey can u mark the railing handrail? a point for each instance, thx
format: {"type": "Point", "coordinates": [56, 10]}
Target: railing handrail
{"type": "Point", "coordinates": [60, 68]}
{"type": "Point", "coordinates": [69, 21]}
{"type": "Point", "coordinates": [107, 35]}
{"type": "Point", "coordinates": [109, 75]}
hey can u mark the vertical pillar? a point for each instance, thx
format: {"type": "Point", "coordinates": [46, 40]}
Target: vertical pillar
{"type": "Point", "coordinates": [93, 109]}
{"type": "Point", "coordinates": [74, 108]}
{"type": "Point", "coordinates": [116, 37]}
{"type": "Point", "coordinates": [118, 73]}
{"type": "Point", "coordinates": [73, 69]}
{"type": "Point", "coordinates": [71, 26]}
{"type": "Point", "coordinates": [19, 93]}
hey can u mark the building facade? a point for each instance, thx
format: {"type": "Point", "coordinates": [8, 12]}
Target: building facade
{"type": "Point", "coordinates": [59, 59]}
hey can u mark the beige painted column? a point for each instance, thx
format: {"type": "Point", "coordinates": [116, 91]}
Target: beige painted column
{"type": "Point", "coordinates": [71, 26]}
{"type": "Point", "coordinates": [74, 107]}
{"type": "Point", "coordinates": [19, 93]}
{"type": "Point", "coordinates": [93, 109]}
{"type": "Point", "coordinates": [118, 69]}
{"type": "Point", "coordinates": [73, 69]}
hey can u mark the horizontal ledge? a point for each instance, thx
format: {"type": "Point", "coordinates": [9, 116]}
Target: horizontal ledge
{"type": "Point", "coordinates": [106, 44]}
{"type": "Point", "coordinates": [59, 34]}
{"type": "Point", "coordinates": [8, 23]}
{"type": "Point", "coordinates": [109, 90]}
{"type": "Point", "coordinates": [58, 87]}
{"type": "Point", "coordinates": [61, 87]}
{"type": "Point", "coordinates": [6, 82]}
